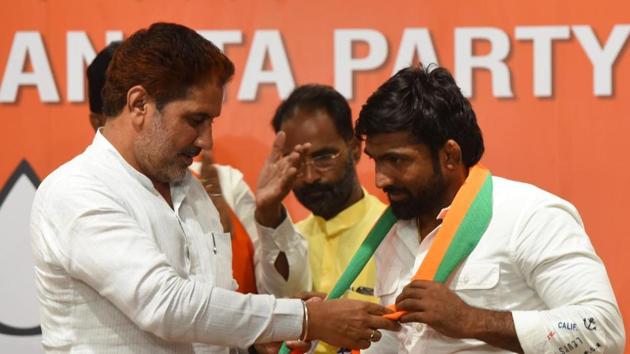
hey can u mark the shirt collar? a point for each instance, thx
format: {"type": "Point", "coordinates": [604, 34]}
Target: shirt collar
{"type": "Point", "coordinates": [346, 219]}
{"type": "Point", "coordinates": [408, 231]}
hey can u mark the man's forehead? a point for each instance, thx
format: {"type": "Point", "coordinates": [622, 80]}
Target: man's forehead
{"type": "Point", "coordinates": [311, 122]}
{"type": "Point", "coordinates": [204, 98]}
{"type": "Point", "coordinates": [315, 127]}
{"type": "Point", "coordinates": [390, 141]}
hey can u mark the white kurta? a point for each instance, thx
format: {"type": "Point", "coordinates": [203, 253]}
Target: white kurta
{"type": "Point", "coordinates": [119, 271]}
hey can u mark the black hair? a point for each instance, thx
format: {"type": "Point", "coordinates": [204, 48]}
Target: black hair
{"type": "Point", "coordinates": [312, 98]}
{"type": "Point", "coordinates": [427, 103]}
{"type": "Point", "coordinates": [96, 76]}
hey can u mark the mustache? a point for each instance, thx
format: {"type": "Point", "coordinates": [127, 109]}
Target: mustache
{"type": "Point", "coordinates": [315, 187]}
{"type": "Point", "coordinates": [191, 151]}
{"type": "Point", "coordinates": [395, 189]}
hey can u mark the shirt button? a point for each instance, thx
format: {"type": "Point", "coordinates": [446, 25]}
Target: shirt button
{"type": "Point", "coordinates": [466, 280]}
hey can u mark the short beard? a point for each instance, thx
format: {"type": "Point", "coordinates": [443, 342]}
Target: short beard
{"type": "Point", "coordinates": [428, 201]}
{"type": "Point", "coordinates": [334, 196]}
{"type": "Point", "coordinates": [151, 150]}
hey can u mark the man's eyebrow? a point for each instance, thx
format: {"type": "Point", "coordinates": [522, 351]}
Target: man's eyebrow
{"type": "Point", "coordinates": [204, 115]}
{"type": "Point", "coordinates": [324, 150]}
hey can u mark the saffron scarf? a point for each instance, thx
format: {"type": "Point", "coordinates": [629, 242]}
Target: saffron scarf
{"type": "Point", "coordinates": [466, 221]}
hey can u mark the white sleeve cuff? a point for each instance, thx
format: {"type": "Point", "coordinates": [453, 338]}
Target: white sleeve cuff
{"type": "Point", "coordinates": [531, 332]}
{"type": "Point", "coordinates": [281, 238]}
{"type": "Point", "coordinates": [288, 319]}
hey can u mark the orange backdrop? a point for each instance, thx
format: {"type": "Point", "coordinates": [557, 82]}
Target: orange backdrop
{"type": "Point", "coordinates": [572, 143]}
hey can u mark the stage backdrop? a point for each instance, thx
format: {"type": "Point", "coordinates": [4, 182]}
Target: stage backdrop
{"type": "Point", "coordinates": [548, 80]}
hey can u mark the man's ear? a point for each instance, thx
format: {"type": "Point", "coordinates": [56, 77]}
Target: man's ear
{"type": "Point", "coordinates": [137, 105]}
{"type": "Point", "coordinates": [355, 147]}
{"type": "Point", "coordinates": [451, 155]}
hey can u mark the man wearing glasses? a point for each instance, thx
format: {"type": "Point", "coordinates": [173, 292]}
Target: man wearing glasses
{"type": "Point", "coordinates": [327, 185]}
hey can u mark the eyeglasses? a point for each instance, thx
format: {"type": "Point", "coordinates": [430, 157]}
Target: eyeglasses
{"type": "Point", "coordinates": [321, 163]}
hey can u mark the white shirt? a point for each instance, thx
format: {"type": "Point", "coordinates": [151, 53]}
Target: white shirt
{"type": "Point", "coordinates": [535, 260]}
{"type": "Point", "coordinates": [119, 271]}
{"type": "Point", "coordinates": [267, 242]}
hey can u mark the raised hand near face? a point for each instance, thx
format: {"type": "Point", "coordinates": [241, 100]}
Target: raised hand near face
{"type": "Point", "coordinates": [276, 180]}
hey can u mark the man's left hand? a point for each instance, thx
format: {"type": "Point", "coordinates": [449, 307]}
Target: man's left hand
{"type": "Point", "coordinates": [437, 306]}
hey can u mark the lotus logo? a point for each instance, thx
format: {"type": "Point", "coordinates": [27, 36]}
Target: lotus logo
{"type": "Point", "coordinates": [19, 314]}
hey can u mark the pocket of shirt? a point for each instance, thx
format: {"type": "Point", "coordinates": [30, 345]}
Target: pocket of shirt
{"type": "Point", "coordinates": [223, 259]}
{"type": "Point", "coordinates": [477, 284]}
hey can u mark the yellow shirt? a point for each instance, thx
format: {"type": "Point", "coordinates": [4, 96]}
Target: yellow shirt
{"type": "Point", "coordinates": [331, 245]}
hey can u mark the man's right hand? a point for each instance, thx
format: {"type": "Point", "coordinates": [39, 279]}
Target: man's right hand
{"type": "Point", "coordinates": [307, 295]}
{"type": "Point", "coordinates": [347, 323]}
{"type": "Point", "coordinates": [209, 178]}
{"type": "Point", "coordinates": [276, 180]}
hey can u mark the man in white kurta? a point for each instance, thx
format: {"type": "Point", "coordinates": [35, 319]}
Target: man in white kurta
{"type": "Point", "coordinates": [533, 282]}
{"type": "Point", "coordinates": [237, 194]}
{"type": "Point", "coordinates": [112, 259]}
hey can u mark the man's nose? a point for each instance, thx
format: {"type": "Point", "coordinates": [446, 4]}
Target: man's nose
{"type": "Point", "coordinates": [382, 180]}
{"type": "Point", "coordinates": [204, 137]}
{"type": "Point", "coordinates": [309, 174]}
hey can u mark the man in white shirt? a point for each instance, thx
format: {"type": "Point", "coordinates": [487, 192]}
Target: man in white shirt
{"type": "Point", "coordinates": [279, 268]}
{"type": "Point", "coordinates": [532, 284]}
{"type": "Point", "coordinates": [130, 257]}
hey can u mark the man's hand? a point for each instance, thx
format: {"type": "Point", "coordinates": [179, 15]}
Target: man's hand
{"type": "Point", "coordinates": [439, 307]}
{"type": "Point", "coordinates": [268, 348]}
{"type": "Point", "coordinates": [208, 171]}
{"type": "Point", "coordinates": [436, 305]}
{"type": "Point", "coordinates": [307, 295]}
{"type": "Point", "coordinates": [209, 177]}
{"type": "Point", "coordinates": [276, 180]}
{"type": "Point", "coordinates": [298, 345]}
{"type": "Point", "coordinates": [347, 323]}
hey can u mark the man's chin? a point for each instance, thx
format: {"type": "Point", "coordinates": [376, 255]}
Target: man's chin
{"type": "Point", "coordinates": [403, 211]}
{"type": "Point", "coordinates": [316, 207]}
{"type": "Point", "coordinates": [323, 207]}
{"type": "Point", "coordinates": [175, 175]}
